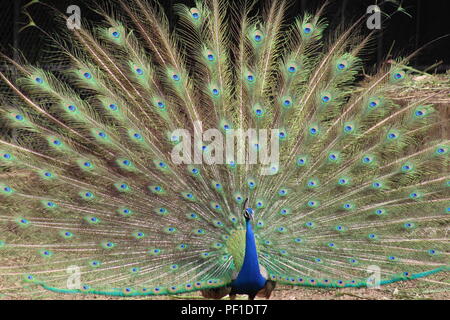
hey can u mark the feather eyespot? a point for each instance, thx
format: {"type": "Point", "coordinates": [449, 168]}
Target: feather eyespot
{"type": "Point", "coordinates": [258, 36]}
{"type": "Point", "coordinates": [313, 130]}
{"type": "Point", "coordinates": [302, 161]}
{"type": "Point", "coordinates": [333, 156]}
{"type": "Point", "coordinates": [308, 28]}
{"type": "Point", "coordinates": [398, 75]}
{"type": "Point", "coordinates": [287, 102]}
{"type": "Point", "coordinates": [376, 185]}
{"type": "Point", "coordinates": [195, 13]}
{"type": "Point", "coordinates": [367, 159]}
{"type": "Point", "coordinates": [407, 167]}
{"type": "Point", "coordinates": [374, 103]}
{"type": "Point", "coordinates": [160, 104]}
{"type": "Point", "coordinates": [420, 112]}
{"type": "Point", "coordinates": [326, 98]}
{"type": "Point", "coordinates": [348, 206]}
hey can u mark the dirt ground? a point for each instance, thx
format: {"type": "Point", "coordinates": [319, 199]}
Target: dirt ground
{"type": "Point", "coordinates": [436, 287]}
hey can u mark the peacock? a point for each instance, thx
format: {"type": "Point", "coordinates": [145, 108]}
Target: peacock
{"type": "Point", "coordinates": [231, 154]}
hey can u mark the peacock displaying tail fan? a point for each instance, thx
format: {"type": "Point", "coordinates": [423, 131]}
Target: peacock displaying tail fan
{"type": "Point", "coordinates": [231, 154]}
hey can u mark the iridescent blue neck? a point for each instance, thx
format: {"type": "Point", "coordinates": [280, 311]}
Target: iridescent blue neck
{"type": "Point", "coordinates": [249, 279]}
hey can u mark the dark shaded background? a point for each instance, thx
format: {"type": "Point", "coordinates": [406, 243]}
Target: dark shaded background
{"type": "Point", "coordinates": [430, 20]}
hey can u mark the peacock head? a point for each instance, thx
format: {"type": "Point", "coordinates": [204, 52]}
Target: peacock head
{"type": "Point", "coordinates": [248, 214]}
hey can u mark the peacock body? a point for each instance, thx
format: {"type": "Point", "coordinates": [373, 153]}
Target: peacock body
{"type": "Point", "coordinates": [115, 179]}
